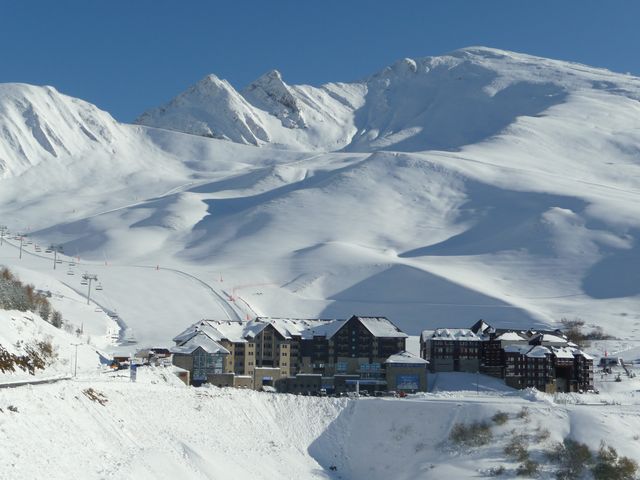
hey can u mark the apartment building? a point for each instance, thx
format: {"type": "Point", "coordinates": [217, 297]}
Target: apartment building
{"type": "Point", "coordinates": [357, 347]}
{"type": "Point", "coordinates": [545, 360]}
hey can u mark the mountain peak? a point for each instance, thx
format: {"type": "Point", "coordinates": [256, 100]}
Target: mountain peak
{"type": "Point", "coordinates": [270, 93]}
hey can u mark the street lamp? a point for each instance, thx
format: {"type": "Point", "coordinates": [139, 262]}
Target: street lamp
{"type": "Point", "coordinates": [3, 232]}
{"type": "Point", "coordinates": [75, 363]}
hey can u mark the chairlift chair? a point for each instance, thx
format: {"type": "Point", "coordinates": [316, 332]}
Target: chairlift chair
{"type": "Point", "coordinates": [72, 264]}
{"type": "Point", "coordinates": [48, 250]}
{"type": "Point", "coordinates": [58, 261]}
{"type": "Point", "coordinates": [84, 282]}
{"type": "Point", "coordinates": [99, 286]}
{"type": "Point", "coordinates": [70, 272]}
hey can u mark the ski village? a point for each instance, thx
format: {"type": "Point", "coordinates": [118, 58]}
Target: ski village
{"type": "Point", "coordinates": [429, 273]}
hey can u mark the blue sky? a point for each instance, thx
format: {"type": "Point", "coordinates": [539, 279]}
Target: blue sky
{"type": "Point", "coordinates": [128, 55]}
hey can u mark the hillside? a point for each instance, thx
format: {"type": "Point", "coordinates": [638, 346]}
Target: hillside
{"type": "Point", "coordinates": [156, 429]}
{"type": "Point", "coordinates": [479, 184]}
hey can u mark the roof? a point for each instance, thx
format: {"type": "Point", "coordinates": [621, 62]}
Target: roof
{"type": "Point", "coordinates": [521, 349]}
{"type": "Point", "coordinates": [456, 334]}
{"type": "Point", "coordinates": [585, 355]}
{"type": "Point", "coordinates": [538, 352]}
{"type": "Point", "coordinates": [199, 340]}
{"type": "Point", "coordinates": [406, 357]}
{"type": "Point", "coordinates": [425, 335]}
{"type": "Point", "coordinates": [381, 327]}
{"type": "Point", "coordinates": [548, 338]}
{"type": "Point", "coordinates": [510, 337]}
{"type": "Point", "coordinates": [305, 328]}
{"type": "Point", "coordinates": [480, 327]}
{"type": "Point", "coordinates": [241, 331]}
{"type": "Point", "coordinates": [563, 352]}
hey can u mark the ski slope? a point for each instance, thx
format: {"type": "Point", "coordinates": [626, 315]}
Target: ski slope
{"type": "Point", "coordinates": [477, 184]}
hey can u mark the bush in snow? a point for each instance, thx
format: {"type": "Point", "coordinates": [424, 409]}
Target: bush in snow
{"type": "Point", "coordinates": [497, 471]}
{"type": "Point", "coordinates": [541, 434]}
{"type": "Point", "coordinates": [517, 448]}
{"type": "Point", "coordinates": [528, 468]}
{"type": "Point", "coordinates": [500, 418]}
{"type": "Point", "coordinates": [573, 331]}
{"type": "Point", "coordinates": [609, 466]}
{"type": "Point", "coordinates": [36, 357]}
{"type": "Point", "coordinates": [474, 434]}
{"type": "Point", "coordinates": [56, 319]}
{"type": "Point", "coordinates": [95, 396]}
{"type": "Point", "coordinates": [573, 457]}
{"type": "Point", "coordinates": [14, 295]}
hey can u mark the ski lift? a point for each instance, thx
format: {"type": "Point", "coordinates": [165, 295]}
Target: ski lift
{"type": "Point", "coordinates": [70, 272]}
{"type": "Point", "coordinates": [98, 309]}
{"type": "Point", "coordinates": [84, 282]}
{"type": "Point", "coordinates": [58, 261]}
{"type": "Point", "coordinates": [99, 286]}
{"type": "Point", "coordinates": [72, 263]}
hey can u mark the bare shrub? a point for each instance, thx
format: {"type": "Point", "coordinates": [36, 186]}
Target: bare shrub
{"type": "Point", "coordinates": [500, 418]}
{"type": "Point", "coordinates": [541, 434]}
{"type": "Point", "coordinates": [517, 448]}
{"type": "Point", "coordinates": [528, 468]}
{"type": "Point", "coordinates": [572, 456]}
{"type": "Point", "coordinates": [497, 471]}
{"type": "Point", "coordinates": [610, 466]}
{"type": "Point", "coordinates": [474, 434]}
{"type": "Point", "coordinates": [95, 396]}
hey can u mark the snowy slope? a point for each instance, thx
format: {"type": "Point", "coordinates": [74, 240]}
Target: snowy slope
{"type": "Point", "coordinates": [39, 123]}
{"type": "Point", "coordinates": [525, 213]}
{"type": "Point", "coordinates": [21, 329]}
{"type": "Point", "coordinates": [441, 102]}
{"type": "Point", "coordinates": [157, 429]}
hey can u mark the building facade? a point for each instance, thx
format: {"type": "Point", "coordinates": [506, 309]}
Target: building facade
{"type": "Point", "coordinates": [544, 360]}
{"type": "Point", "coordinates": [357, 348]}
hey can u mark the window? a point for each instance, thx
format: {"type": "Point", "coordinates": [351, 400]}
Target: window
{"type": "Point", "coordinates": [341, 367]}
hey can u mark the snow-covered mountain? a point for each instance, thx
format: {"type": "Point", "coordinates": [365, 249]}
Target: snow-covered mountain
{"type": "Point", "coordinates": [482, 183]}
{"type": "Point", "coordinates": [39, 123]}
{"type": "Point", "coordinates": [429, 103]}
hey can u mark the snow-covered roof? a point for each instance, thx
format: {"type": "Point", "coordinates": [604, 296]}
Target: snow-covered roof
{"type": "Point", "coordinates": [199, 340]}
{"type": "Point", "coordinates": [381, 327]}
{"type": "Point", "coordinates": [481, 327]}
{"type": "Point", "coordinates": [241, 332]}
{"type": "Point", "coordinates": [538, 352]}
{"type": "Point", "coordinates": [457, 334]}
{"type": "Point", "coordinates": [563, 352]}
{"type": "Point", "coordinates": [551, 339]}
{"type": "Point", "coordinates": [577, 352]}
{"type": "Point", "coordinates": [299, 327]}
{"type": "Point", "coordinates": [426, 335]}
{"type": "Point", "coordinates": [521, 349]}
{"type": "Point", "coordinates": [510, 337]}
{"type": "Point", "coordinates": [406, 357]}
